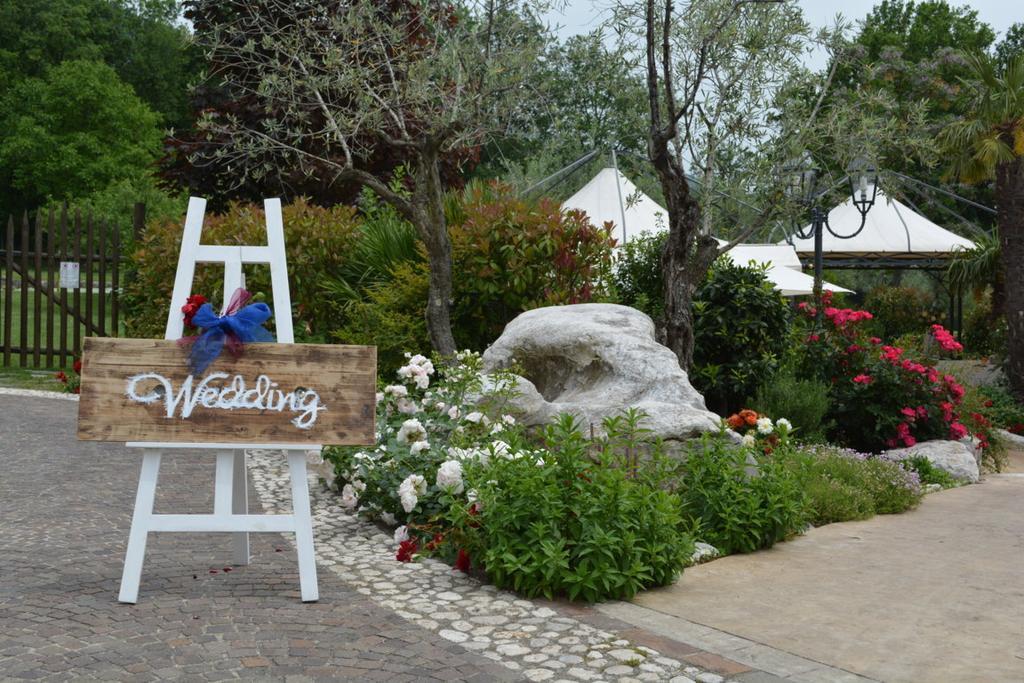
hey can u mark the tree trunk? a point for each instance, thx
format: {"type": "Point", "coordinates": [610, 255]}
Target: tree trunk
{"type": "Point", "coordinates": [1010, 197]}
{"type": "Point", "coordinates": [430, 223]}
{"type": "Point", "coordinates": [686, 257]}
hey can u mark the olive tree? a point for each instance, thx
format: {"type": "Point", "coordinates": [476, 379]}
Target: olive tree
{"type": "Point", "coordinates": [337, 82]}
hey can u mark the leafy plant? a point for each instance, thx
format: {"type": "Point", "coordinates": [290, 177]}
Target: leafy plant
{"type": "Point", "coordinates": [389, 315]}
{"type": "Point", "coordinates": [514, 254]}
{"type": "Point", "coordinates": [843, 485]}
{"type": "Point", "coordinates": [805, 402]}
{"type": "Point", "coordinates": [638, 279]}
{"type": "Point", "coordinates": [744, 501]}
{"type": "Point", "coordinates": [571, 520]}
{"type": "Point", "coordinates": [317, 242]}
{"type": "Point", "coordinates": [510, 254]}
{"type": "Point", "coordinates": [900, 310]}
{"type": "Point", "coordinates": [741, 331]}
{"type": "Point", "coordinates": [929, 473]}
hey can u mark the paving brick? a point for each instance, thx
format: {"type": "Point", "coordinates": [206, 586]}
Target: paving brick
{"type": "Point", "coordinates": [65, 511]}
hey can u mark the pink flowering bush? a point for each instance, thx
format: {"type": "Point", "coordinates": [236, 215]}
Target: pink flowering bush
{"type": "Point", "coordinates": [880, 397]}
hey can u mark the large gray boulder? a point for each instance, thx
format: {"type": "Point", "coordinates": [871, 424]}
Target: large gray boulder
{"type": "Point", "coordinates": [595, 361]}
{"type": "Point", "coordinates": [954, 457]}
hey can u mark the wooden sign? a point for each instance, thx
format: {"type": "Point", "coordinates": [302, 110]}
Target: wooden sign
{"type": "Point", "coordinates": [141, 390]}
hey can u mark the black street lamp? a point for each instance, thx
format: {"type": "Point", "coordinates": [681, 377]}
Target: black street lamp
{"type": "Point", "coordinates": [800, 178]}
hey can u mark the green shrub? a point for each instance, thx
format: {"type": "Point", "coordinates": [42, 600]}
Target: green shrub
{"type": "Point", "coordinates": [741, 334]}
{"type": "Point", "coordinates": [385, 241]}
{"type": "Point", "coordinates": [391, 316]}
{"type": "Point", "coordinates": [512, 254]}
{"type": "Point", "coordinates": [509, 255]}
{"type": "Point", "coordinates": [929, 473]}
{"type": "Point", "coordinates": [843, 485]}
{"type": "Point", "coordinates": [804, 402]}
{"type": "Point", "coordinates": [316, 242]}
{"type": "Point", "coordinates": [638, 281]}
{"type": "Point", "coordinates": [1000, 406]}
{"type": "Point", "coordinates": [570, 521]}
{"type": "Point", "coordinates": [741, 506]}
{"type": "Point", "coordinates": [901, 310]}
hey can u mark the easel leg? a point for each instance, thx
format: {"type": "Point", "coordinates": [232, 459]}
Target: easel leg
{"type": "Point", "coordinates": [136, 552]}
{"type": "Point", "coordinates": [303, 526]}
{"type": "Point", "coordinates": [240, 506]}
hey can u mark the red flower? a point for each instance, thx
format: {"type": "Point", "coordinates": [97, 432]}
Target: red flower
{"type": "Point", "coordinates": [78, 366]}
{"type": "Point", "coordinates": [957, 431]}
{"type": "Point", "coordinates": [875, 340]}
{"type": "Point", "coordinates": [863, 379]}
{"type": "Point", "coordinates": [433, 543]}
{"type": "Point", "coordinates": [191, 307]}
{"type": "Point", "coordinates": [406, 549]}
{"type": "Point", "coordinates": [462, 561]}
{"type": "Point", "coordinates": [61, 376]}
{"type": "Point", "coordinates": [988, 403]}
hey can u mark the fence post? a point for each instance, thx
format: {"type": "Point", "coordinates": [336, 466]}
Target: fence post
{"type": "Point", "coordinates": [139, 220]}
{"type": "Point", "coordinates": [8, 290]}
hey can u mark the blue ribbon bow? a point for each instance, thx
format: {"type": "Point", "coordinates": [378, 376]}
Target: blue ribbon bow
{"type": "Point", "coordinates": [242, 327]}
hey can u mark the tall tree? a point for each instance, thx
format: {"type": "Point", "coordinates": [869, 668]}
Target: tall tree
{"type": "Point", "coordinates": [586, 95]}
{"type": "Point", "coordinates": [988, 144]}
{"type": "Point", "coordinates": [142, 40]}
{"type": "Point", "coordinates": [713, 69]}
{"type": "Point", "coordinates": [1011, 45]}
{"type": "Point", "coordinates": [72, 132]}
{"type": "Point", "coordinates": [913, 54]}
{"type": "Point", "coordinates": [338, 81]}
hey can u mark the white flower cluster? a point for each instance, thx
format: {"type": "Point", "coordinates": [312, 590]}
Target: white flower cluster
{"type": "Point", "coordinates": [411, 432]}
{"type": "Point", "coordinates": [418, 370]}
{"type": "Point", "coordinates": [449, 477]}
{"type": "Point", "coordinates": [410, 490]}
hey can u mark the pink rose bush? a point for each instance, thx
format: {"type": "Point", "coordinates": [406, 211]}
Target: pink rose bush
{"type": "Point", "coordinates": [880, 397]}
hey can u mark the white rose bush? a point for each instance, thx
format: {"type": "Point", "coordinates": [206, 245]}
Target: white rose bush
{"type": "Point", "coordinates": [429, 424]}
{"type": "Point", "coordinates": [543, 513]}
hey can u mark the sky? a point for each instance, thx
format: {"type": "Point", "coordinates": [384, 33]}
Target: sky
{"type": "Point", "coordinates": [583, 16]}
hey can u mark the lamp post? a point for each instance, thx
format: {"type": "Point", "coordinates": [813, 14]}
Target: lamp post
{"type": "Point", "coordinates": [800, 178]}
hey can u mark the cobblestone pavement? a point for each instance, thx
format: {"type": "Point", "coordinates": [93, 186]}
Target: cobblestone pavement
{"type": "Point", "coordinates": [65, 509]}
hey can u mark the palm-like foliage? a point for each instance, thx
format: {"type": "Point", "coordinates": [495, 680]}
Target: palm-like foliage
{"type": "Point", "coordinates": [993, 132]}
{"type": "Point", "coordinates": [988, 143]}
{"type": "Point", "coordinates": [979, 267]}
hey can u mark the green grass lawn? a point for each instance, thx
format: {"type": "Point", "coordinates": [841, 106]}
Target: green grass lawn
{"type": "Point", "coordinates": [16, 324]}
{"type": "Point", "coordinates": [25, 378]}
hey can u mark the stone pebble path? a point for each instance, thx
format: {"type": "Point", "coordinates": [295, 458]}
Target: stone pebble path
{"type": "Point", "coordinates": [519, 634]}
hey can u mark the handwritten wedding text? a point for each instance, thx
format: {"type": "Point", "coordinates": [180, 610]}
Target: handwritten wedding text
{"type": "Point", "coordinates": [216, 392]}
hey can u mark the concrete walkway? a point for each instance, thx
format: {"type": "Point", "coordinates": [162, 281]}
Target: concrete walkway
{"type": "Point", "coordinates": [934, 595]}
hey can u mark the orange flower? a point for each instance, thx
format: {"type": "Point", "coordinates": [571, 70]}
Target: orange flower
{"type": "Point", "coordinates": [748, 416]}
{"type": "Point", "coordinates": [734, 421]}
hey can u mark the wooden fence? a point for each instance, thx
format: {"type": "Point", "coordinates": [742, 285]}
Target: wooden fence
{"type": "Point", "coordinates": [60, 281]}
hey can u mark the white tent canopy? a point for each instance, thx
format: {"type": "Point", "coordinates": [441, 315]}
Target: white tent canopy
{"type": "Point", "coordinates": [635, 214]}
{"type": "Point", "coordinates": [600, 199]}
{"type": "Point", "coordinates": [784, 270]}
{"type": "Point", "coordinates": [892, 230]}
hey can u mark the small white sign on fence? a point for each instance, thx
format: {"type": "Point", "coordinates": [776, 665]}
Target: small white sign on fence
{"type": "Point", "coordinates": [69, 275]}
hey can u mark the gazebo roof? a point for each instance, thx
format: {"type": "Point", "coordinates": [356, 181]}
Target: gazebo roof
{"type": "Point", "coordinates": [892, 231]}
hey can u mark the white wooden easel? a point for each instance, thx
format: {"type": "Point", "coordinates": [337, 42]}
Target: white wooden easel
{"type": "Point", "coordinates": [230, 502]}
